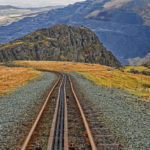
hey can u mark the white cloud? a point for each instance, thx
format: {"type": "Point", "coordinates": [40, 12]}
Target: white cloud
{"type": "Point", "coordinates": [37, 3]}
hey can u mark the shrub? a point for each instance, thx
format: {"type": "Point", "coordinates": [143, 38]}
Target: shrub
{"type": "Point", "coordinates": [147, 65]}
{"type": "Point", "coordinates": [145, 73]}
{"type": "Point", "coordinates": [146, 85]}
{"type": "Point", "coordinates": [134, 71]}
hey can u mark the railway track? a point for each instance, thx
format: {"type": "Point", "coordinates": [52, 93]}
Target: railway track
{"type": "Point", "coordinates": [61, 123]}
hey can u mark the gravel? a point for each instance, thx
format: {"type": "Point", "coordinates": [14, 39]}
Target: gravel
{"type": "Point", "coordinates": [18, 109]}
{"type": "Point", "coordinates": [125, 114]}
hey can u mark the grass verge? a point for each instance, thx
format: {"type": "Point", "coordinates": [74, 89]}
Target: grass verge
{"type": "Point", "coordinates": [136, 84]}
{"type": "Point", "coordinates": [13, 77]}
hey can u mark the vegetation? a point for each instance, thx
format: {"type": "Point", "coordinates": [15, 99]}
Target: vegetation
{"type": "Point", "coordinates": [139, 68]}
{"type": "Point", "coordinates": [145, 70]}
{"type": "Point", "coordinates": [11, 44]}
{"type": "Point", "coordinates": [59, 43]}
{"type": "Point", "coordinates": [137, 84]}
{"type": "Point", "coordinates": [13, 77]}
{"type": "Point", "coordinates": [147, 65]}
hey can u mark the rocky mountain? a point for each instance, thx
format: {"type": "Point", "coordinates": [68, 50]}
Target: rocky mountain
{"type": "Point", "coordinates": [59, 43]}
{"type": "Point", "coordinates": [121, 25]}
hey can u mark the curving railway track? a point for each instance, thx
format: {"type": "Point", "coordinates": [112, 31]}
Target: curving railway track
{"type": "Point", "coordinates": [61, 124]}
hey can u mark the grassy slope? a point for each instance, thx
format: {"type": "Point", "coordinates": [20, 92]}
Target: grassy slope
{"type": "Point", "coordinates": [139, 68]}
{"type": "Point", "coordinates": [11, 78]}
{"type": "Point", "coordinates": [99, 74]}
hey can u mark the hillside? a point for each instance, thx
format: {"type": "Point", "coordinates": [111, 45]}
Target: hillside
{"type": "Point", "coordinates": [12, 78]}
{"type": "Point", "coordinates": [136, 84]}
{"type": "Point", "coordinates": [122, 26]}
{"type": "Point", "coordinates": [2, 7]}
{"type": "Point", "coordinates": [59, 43]}
{"type": "Point", "coordinates": [10, 14]}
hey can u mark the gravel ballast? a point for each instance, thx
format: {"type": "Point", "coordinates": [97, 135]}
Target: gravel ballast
{"type": "Point", "coordinates": [125, 114]}
{"type": "Point", "coordinates": [18, 110]}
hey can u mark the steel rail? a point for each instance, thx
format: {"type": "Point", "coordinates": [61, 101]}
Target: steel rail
{"type": "Point", "coordinates": [62, 120]}
{"type": "Point", "coordinates": [89, 133]}
{"type": "Point", "coordinates": [53, 126]}
{"type": "Point", "coordinates": [28, 137]}
{"type": "Point", "coordinates": [58, 139]}
{"type": "Point", "coordinates": [66, 145]}
{"type": "Point", "coordinates": [58, 125]}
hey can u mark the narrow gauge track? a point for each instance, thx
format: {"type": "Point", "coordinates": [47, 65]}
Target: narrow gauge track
{"type": "Point", "coordinates": [39, 132]}
{"type": "Point", "coordinates": [103, 137]}
{"type": "Point", "coordinates": [61, 123]}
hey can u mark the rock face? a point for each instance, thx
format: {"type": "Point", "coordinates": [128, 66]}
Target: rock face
{"type": "Point", "coordinates": [59, 43]}
{"type": "Point", "coordinates": [122, 25]}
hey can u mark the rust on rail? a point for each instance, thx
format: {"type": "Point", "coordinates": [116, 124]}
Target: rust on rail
{"type": "Point", "coordinates": [66, 147]}
{"type": "Point", "coordinates": [28, 137]}
{"type": "Point", "coordinates": [61, 105]}
{"type": "Point", "coordinates": [51, 139]}
{"type": "Point", "coordinates": [53, 126]}
{"type": "Point", "coordinates": [90, 136]}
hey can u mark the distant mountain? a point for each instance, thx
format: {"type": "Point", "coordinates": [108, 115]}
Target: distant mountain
{"type": "Point", "coordinates": [7, 7]}
{"type": "Point", "coordinates": [122, 25]}
{"type": "Point", "coordinates": [139, 60]}
{"type": "Point", "coordinates": [9, 14]}
{"type": "Point", "coordinates": [59, 43]}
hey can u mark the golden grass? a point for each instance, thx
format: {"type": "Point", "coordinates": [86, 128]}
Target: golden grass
{"type": "Point", "coordinates": [103, 75]}
{"type": "Point", "coordinates": [13, 77]}
{"type": "Point", "coordinates": [139, 68]}
{"type": "Point", "coordinates": [10, 45]}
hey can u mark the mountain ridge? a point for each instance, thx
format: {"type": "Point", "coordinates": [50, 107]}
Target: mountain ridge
{"type": "Point", "coordinates": [8, 7]}
{"type": "Point", "coordinates": [10, 14]}
{"type": "Point", "coordinates": [121, 30]}
{"type": "Point", "coordinates": [59, 43]}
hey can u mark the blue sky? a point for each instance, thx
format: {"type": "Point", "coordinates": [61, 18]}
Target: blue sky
{"type": "Point", "coordinates": [37, 3]}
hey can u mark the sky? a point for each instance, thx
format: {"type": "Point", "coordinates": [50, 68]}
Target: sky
{"type": "Point", "coordinates": [37, 3]}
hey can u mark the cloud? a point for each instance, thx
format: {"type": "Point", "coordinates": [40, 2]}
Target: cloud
{"type": "Point", "coordinates": [37, 3]}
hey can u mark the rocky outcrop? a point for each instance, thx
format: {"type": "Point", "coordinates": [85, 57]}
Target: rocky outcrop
{"type": "Point", "coordinates": [120, 24]}
{"type": "Point", "coordinates": [59, 43]}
